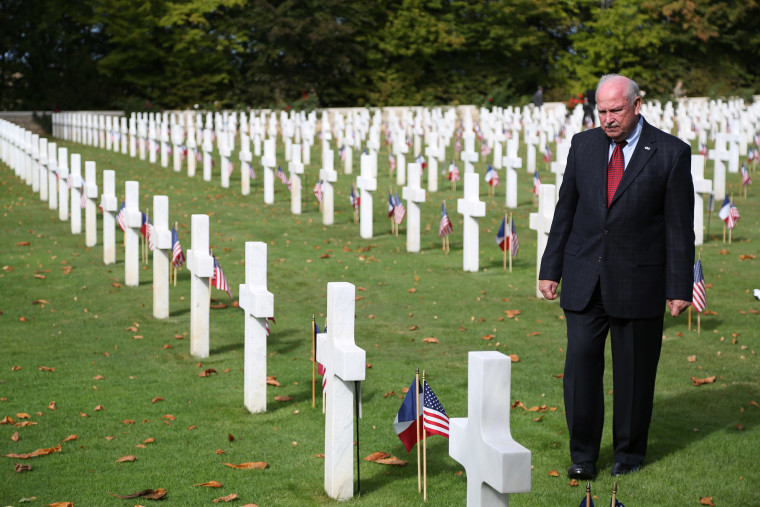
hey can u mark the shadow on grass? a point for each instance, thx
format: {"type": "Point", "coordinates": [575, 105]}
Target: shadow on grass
{"type": "Point", "coordinates": [677, 418]}
{"type": "Point", "coordinates": [177, 313]}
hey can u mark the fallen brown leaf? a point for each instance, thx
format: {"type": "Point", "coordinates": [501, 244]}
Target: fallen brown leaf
{"type": "Point", "coordinates": [228, 498]}
{"type": "Point", "coordinates": [149, 440]}
{"type": "Point", "coordinates": [40, 302]}
{"type": "Point", "coordinates": [230, 437]}
{"type": "Point", "coordinates": [390, 393]}
{"type": "Point", "coordinates": [273, 382]}
{"type": "Point", "coordinates": [128, 421]}
{"type": "Point", "coordinates": [553, 473]}
{"type": "Point", "coordinates": [70, 438]}
{"type": "Point", "coordinates": [7, 420]}
{"type": "Point", "coordinates": [22, 468]}
{"type": "Point", "coordinates": [414, 327]}
{"type": "Point", "coordinates": [572, 483]}
{"type": "Point", "coordinates": [707, 500]}
{"type": "Point", "coordinates": [747, 257]}
{"type": "Point", "coordinates": [208, 372]}
{"type": "Point", "coordinates": [16, 368]}
{"type": "Point", "coordinates": [126, 459]}
{"type": "Point", "coordinates": [376, 456]}
{"type": "Point", "coordinates": [34, 454]}
{"type": "Point", "coordinates": [23, 243]}
{"type": "Point", "coordinates": [150, 494]}
{"type": "Point", "coordinates": [283, 398]}
{"type": "Point", "coordinates": [393, 460]}
{"type": "Point", "coordinates": [23, 415]}
{"type": "Point", "coordinates": [131, 328]}
{"type": "Point", "coordinates": [488, 336]}
{"type": "Point", "coordinates": [169, 417]}
{"type": "Point", "coordinates": [24, 424]}
{"type": "Point", "coordinates": [99, 408]}
{"type": "Point", "coordinates": [61, 504]}
{"type": "Point", "coordinates": [157, 399]}
{"type": "Point", "coordinates": [251, 465]}
{"type": "Point", "coordinates": [692, 359]}
{"type": "Point", "coordinates": [430, 339]}
{"type": "Point", "coordinates": [515, 358]}
{"type": "Point", "coordinates": [98, 377]}
{"type": "Point", "coordinates": [14, 437]}
{"type": "Point", "coordinates": [412, 290]}
{"type": "Point", "coordinates": [700, 381]}
{"type": "Point", "coordinates": [51, 405]}
{"type": "Point", "coordinates": [45, 368]}
{"type": "Point", "coordinates": [211, 484]}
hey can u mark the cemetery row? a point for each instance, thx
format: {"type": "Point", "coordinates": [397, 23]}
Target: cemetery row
{"type": "Point", "coordinates": [54, 178]}
{"type": "Point", "coordinates": [343, 361]}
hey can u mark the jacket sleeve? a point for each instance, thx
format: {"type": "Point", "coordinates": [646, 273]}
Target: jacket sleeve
{"type": "Point", "coordinates": [679, 228]}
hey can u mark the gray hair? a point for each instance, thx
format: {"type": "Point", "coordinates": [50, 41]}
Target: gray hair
{"type": "Point", "coordinates": [631, 88]}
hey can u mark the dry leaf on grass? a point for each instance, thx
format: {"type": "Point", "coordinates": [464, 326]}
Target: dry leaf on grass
{"type": "Point", "coordinates": [515, 358]}
{"type": "Point", "coordinates": [70, 438]}
{"type": "Point", "coordinates": [230, 437]}
{"type": "Point", "coordinates": [16, 368]}
{"type": "Point", "coordinates": [24, 424]}
{"type": "Point", "coordinates": [692, 359]}
{"type": "Point", "coordinates": [22, 468]}
{"type": "Point", "coordinates": [51, 405]}
{"type": "Point", "coordinates": [45, 368]}
{"type": "Point", "coordinates": [272, 382]}
{"type": "Point", "coordinates": [157, 399]}
{"type": "Point", "coordinates": [572, 483]}
{"type": "Point", "coordinates": [211, 484]}
{"type": "Point", "coordinates": [430, 339]}
{"type": "Point", "coordinates": [149, 440]}
{"type": "Point", "coordinates": [376, 456]}
{"type": "Point", "coordinates": [34, 454]}
{"type": "Point", "coordinates": [700, 381]}
{"type": "Point", "coordinates": [61, 504]}
{"type": "Point", "coordinates": [706, 500]}
{"type": "Point", "coordinates": [23, 415]}
{"type": "Point", "coordinates": [169, 417]}
{"type": "Point", "coordinates": [488, 336]}
{"type": "Point", "coordinates": [150, 494]}
{"type": "Point", "coordinates": [393, 460]}
{"type": "Point", "coordinates": [208, 372]}
{"type": "Point", "coordinates": [126, 459]}
{"type": "Point", "coordinates": [251, 465]}
{"type": "Point", "coordinates": [15, 437]}
{"type": "Point", "coordinates": [7, 420]}
{"type": "Point", "coordinates": [389, 393]}
{"type": "Point", "coordinates": [553, 473]}
{"type": "Point", "coordinates": [283, 398]}
{"type": "Point", "coordinates": [228, 498]}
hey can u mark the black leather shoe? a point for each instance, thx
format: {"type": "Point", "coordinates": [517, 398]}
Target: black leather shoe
{"type": "Point", "coordinates": [585, 471]}
{"type": "Point", "coordinates": [623, 469]}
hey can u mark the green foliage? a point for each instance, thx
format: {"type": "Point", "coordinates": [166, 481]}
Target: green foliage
{"type": "Point", "coordinates": [252, 53]}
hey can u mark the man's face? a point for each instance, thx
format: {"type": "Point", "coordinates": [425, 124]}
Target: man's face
{"type": "Point", "coordinates": [617, 116]}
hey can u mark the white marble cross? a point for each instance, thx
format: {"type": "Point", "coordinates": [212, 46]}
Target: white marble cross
{"type": "Point", "coordinates": [345, 363]}
{"type": "Point", "coordinates": [76, 193]}
{"type": "Point", "coordinates": [702, 187]}
{"type": "Point", "coordinates": [414, 195]}
{"type": "Point", "coordinates": [226, 164]}
{"type": "Point", "coordinates": [328, 175]}
{"type": "Point", "coordinates": [295, 167]}
{"type": "Point", "coordinates": [208, 147]}
{"type": "Point", "coordinates": [269, 162]}
{"type": "Point", "coordinates": [245, 164]}
{"type": "Point", "coordinates": [367, 184]}
{"type": "Point", "coordinates": [63, 190]}
{"type": "Point", "coordinates": [161, 236]}
{"type": "Point", "coordinates": [52, 179]}
{"type": "Point", "coordinates": [531, 140]}
{"type": "Point", "coordinates": [511, 162]}
{"type": "Point", "coordinates": [192, 145]}
{"type": "Point", "coordinates": [132, 136]}
{"type": "Point", "coordinates": [431, 152]}
{"type": "Point", "coordinates": [495, 464]}
{"type": "Point", "coordinates": [201, 265]}
{"type": "Point", "coordinates": [258, 304]}
{"type": "Point", "coordinates": [469, 155]}
{"type": "Point", "coordinates": [44, 181]}
{"type": "Point", "coordinates": [133, 220]}
{"type": "Point", "coordinates": [164, 129]}
{"type": "Point", "coordinates": [178, 135]}
{"type": "Point", "coordinates": [400, 148]}
{"type": "Point", "coordinates": [142, 134]}
{"type": "Point", "coordinates": [124, 138]}
{"type": "Point", "coordinates": [472, 208]}
{"type": "Point", "coordinates": [348, 160]}
{"type": "Point", "coordinates": [90, 190]}
{"type": "Point", "coordinates": [110, 206]}
{"type": "Point", "coordinates": [719, 155]}
{"type": "Point", "coordinates": [733, 150]}
{"type": "Point", "coordinates": [541, 222]}
{"type": "Point", "coordinates": [152, 139]}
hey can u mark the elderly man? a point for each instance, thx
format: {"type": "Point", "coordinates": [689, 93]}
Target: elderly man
{"type": "Point", "coordinates": [622, 243]}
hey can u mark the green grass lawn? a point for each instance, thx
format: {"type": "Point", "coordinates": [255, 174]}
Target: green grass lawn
{"type": "Point", "coordinates": [703, 441]}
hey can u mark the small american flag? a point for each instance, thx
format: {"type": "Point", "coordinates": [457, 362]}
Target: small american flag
{"type": "Point", "coordinates": [458, 146]}
{"type": "Point", "coordinates": [453, 172]}
{"type": "Point", "coordinates": [515, 242]}
{"type": "Point", "coordinates": [434, 417]}
{"type": "Point", "coordinates": [492, 177]}
{"type": "Point", "coordinates": [82, 198]}
{"type": "Point", "coordinates": [281, 175]}
{"type": "Point", "coordinates": [399, 211]}
{"type": "Point", "coordinates": [445, 227]}
{"type": "Point", "coordinates": [547, 154]}
{"type": "Point", "coordinates": [733, 216]}
{"type": "Point", "coordinates": [485, 150]}
{"type": "Point", "coordinates": [218, 279]}
{"type": "Point", "coordinates": [178, 256]}
{"type": "Point", "coordinates": [423, 164]}
{"type": "Point", "coordinates": [391, 205]}
{"type": "Point", "coordinates": [251, 172]}
{"type": "Point", "coordinates": [746, 180]}
{"type": "Point", "coordinates": [342, 153]}
{"type": "Point", "coordinates": [354, 198]}
{"type": "Point", "coordinates": [501, 237]}
{"type": "Point", "coordinates": [699, 295]}
{"type": "Point", "coordinates": [120, 217]}
{"type": "Point", "coordinates": [230, 168]}
{"type": "Point", "coordinates": [318, 190]}
{"type": "Point", "coordinates": [392, 162]}
{"type": "Point", "coordinates": [266, 324]}
{"type": "Point", "coordinates": [703, 149]}
{"type": "Point", "coordinates": [198, 156]}
{"type": "Point", "coordinates": [536, 183]}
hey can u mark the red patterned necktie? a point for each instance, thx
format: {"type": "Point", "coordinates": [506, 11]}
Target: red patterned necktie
{"type": "Point", "coordinates": [615, 170]}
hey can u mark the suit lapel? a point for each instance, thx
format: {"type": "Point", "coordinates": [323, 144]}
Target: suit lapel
{"type": "Point", "coordinates": [645, 148]}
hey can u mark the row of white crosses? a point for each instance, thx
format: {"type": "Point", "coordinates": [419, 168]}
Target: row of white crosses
{"type": "Point", "coordinates": [505, 467]}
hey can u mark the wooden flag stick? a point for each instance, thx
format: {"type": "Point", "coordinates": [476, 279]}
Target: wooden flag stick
{"type": "Point", "coordinates": [613, 503]}
{"type": "Point", "coordinates": [313, 360]}
{"type": "Point", "coordinates": [417, 426]}
{"type": "Point", "coordinates": [424, 447]}
{"type": "Point", "coordinates": [511, 239]}
{"type": "Point", "coordinates": [588, 493]}
{"type": "Point", "coordinates": [689, 318]}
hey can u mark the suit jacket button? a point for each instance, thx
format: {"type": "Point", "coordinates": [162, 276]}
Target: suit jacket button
{"type": "Point", "coordinates": [605, 232]}
{"type": "Point", "coordinates": [600, 259]}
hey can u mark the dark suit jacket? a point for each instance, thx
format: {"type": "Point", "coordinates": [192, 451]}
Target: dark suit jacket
{"type": "Point", "coordinates": [641, 249]}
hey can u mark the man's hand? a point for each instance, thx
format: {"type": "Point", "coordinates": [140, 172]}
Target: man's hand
{"type": "Point", "coordinates": [676, 306]}
{"type": "Point", "coordinates": [548, 288]}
